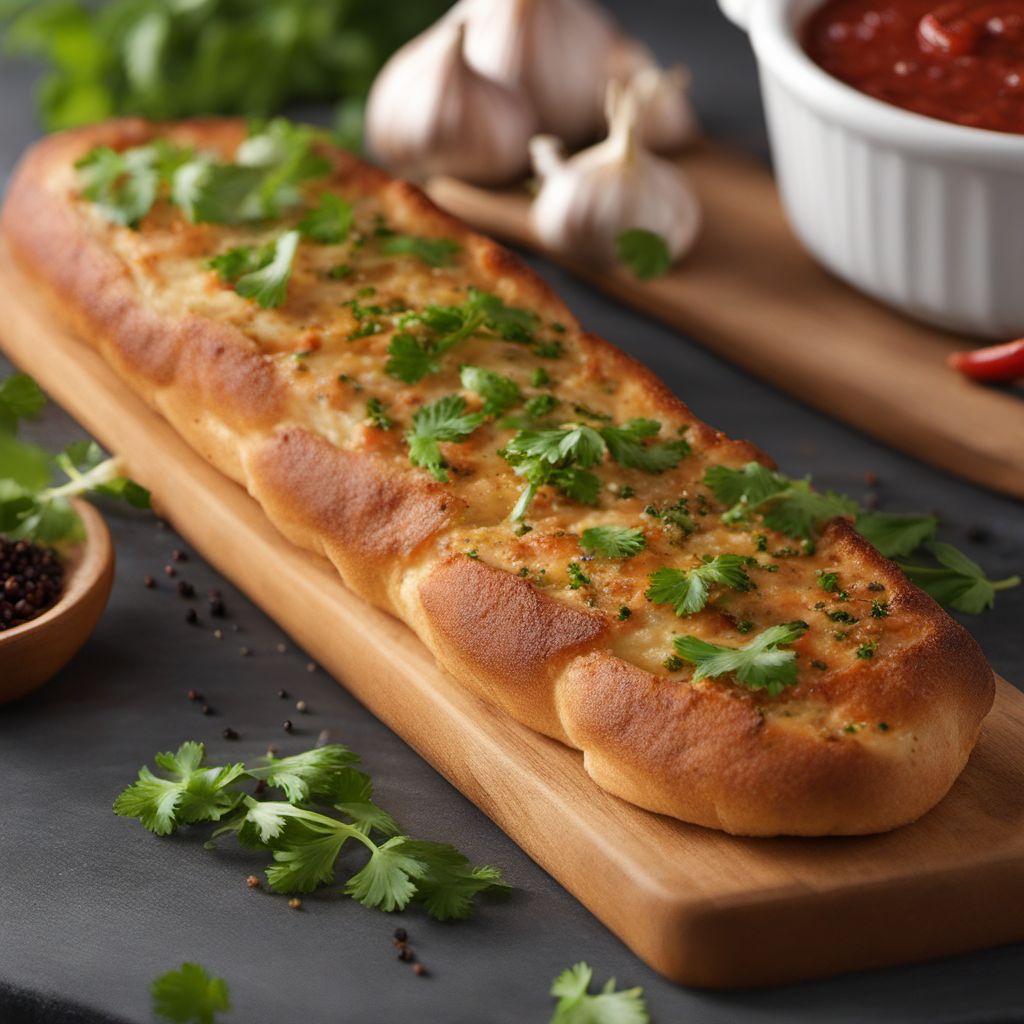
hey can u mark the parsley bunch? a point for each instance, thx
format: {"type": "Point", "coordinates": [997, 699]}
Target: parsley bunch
{"type": "Point", "coordinates": [169, 60]}
{"type": "Point", "coordinates": [189, 996]}
{"type": "Point", "coordinates": [34, 508]}
{"type": "Point", "coordinates": [562, 457]}
{"type": "Point", "coordinates": [327, 809]}
{"type": "Point", "coordinates": [577, 1006]}
{"type": "Point", "coordinates": [791, 507]}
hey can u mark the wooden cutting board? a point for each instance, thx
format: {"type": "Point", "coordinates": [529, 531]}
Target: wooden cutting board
{"type": "Point", "coordinates": [699, 906]}
{"type": "Point", "coordinates": [753, 294]}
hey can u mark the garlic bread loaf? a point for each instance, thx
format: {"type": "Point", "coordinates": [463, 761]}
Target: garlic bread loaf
{"type": "Point", "coordinates": [409, 400]}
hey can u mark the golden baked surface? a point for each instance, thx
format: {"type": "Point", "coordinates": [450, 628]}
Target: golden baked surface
{"type": "Point", "coordinates": [859, 720]}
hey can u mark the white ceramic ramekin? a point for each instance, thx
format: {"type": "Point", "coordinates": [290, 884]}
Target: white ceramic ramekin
{"type": "Point", "coordinates": [924, 215]}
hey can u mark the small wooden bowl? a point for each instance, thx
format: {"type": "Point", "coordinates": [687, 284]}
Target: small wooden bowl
{"type": "Point", "coordinates": [35, 651]}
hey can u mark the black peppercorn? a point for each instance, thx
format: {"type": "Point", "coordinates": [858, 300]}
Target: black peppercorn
{"type": "Point", "coordinates": [148, 582]}
{"type": "Point", "coordinates": [229, 734]}
{"type": "Point", "coordinates": [178, 555]}
{"type": "Point", "coordinates": [401, 935]}
{"type": "Point", "coordinates": [31, 580]}
{"type": "Point", "coordinates": [190, 617]}
{"type": "Point", "coordinates": [194, 695]}
{"type": "Point", "coordinates": [185, 589]}
{"type": "Point", "coordinates": [283, 694]}
{"type": "Point", "coordinates": [288, 727]}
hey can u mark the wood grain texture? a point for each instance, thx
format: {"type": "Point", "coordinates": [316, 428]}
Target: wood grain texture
{"type": "Point", "coordinates": [752, 293]}
{"type": "Point", "coordinates": [697, 905]}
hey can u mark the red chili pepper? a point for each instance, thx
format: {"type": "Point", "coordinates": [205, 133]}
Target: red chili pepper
{"type": "Point", "coordinates": [995, 363]}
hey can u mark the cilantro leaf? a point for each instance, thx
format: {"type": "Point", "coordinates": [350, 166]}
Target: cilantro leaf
{"type": "Point", "coordinates": [388, 879]}
{"type": "Point", "coordinates": [896, 535]}
{"type": "Point", "coordinates": [759, 664]}
{"type": "Point", "coordinates": [958, 582]}
{"type": "Point", "coordinates": [351, 793]}
{"type": "Point", "coordinates": [409, 359]}
{"type": "Point", "coordinates": [613, 541]}
{"type": "Point", "coordinates": [212, 193]}
{"type": "Point", "coordinates": [312, 774]}
{"type": "Point", "coordinates": [577, 1006]}
{"type": "Point", "coordinates": [498, 392]}
{"type": "Point", "coordinates": [581, 446]}
{"type": "Point", "coordinates": [377, 414]}
{"type": "Point", "coordinates": [626, 446]}
{"type": "Point", "coordinates": [644, 252]}
{"type": "Point", "coordinates": [268, 286]}
{"type": "Point", "coordinates": [20, 398]}
{"type": "Point", "coordinates": [435, 252]}
{"type": "Point", "coordinates": [443, 420]}
{"type": "Point", "coordinates": [330, 222]}
{"type": "Point", "coordinates": [190, 793]}
{"type": "Point", "coordinates": [189, 996]}
{"type": "Point", "coordinates": [687, 589]}
{"type": "Point", "coordinates": [800, 512]}
{"type": "Point", "coordinates": [750, 485]}
{"type": "Point", "coordinates": [450, 881]}
{"type": "Point", "coordinates": [235, 263]}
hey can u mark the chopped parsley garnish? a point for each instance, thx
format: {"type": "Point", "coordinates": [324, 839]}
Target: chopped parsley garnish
{"type": "Point", "coordinates": [340, 272]}
{"type": "Point", "coordinates": [577, 577]}
{"type": "Point", "coordinates": [644, 252]}
{"type": "Point", "coordinates": [540, 378]}
{"type": "Point", "coordinates": [958, 581]}
{"type": "Point", "coordinates": [842, 616]}
{"type": "Point", "coordinates": [613, 541]}
{"type": "Point", "coordinates": [673, 663]}
{"type": "Point", "coordinates": [828, 581]}
{"type": "Point", "coordinates": [896, 535]}
{"type": "Point", "coordinates": [540, 406]}
{"type": "Point", "coordinates": [676, 516]}
{"type": "Point", "coordinates": [687, 589]}
{"type": "Point", "coordinates": [624, 613]}
{"type": "Point", "coordinates": [498, 392]}
{"type": "Point", "coordinates": [443, 420]}
{"type": "Point", "coordinates": [328, 805]}
{"type": "Point", "coordinates": [577, 1006]}
{"type": "Point", "coordinates": [759, 664]}
{"type": "Point", "coordinates": [376, 413]}
{"type": "Point", "coordinates": [330, 222]}
{"type": "Point", "coordinates": [267, 284]}
{"type": "Point", "coordinates": [435, 252]}
{"type": "Point", "coordinates": [879, 609]}
{"type": "Point", "coordinates": [867, 651]}
{"type": "Point", "coordinates": [189, 996]}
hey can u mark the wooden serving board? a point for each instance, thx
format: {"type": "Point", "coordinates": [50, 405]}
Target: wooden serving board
{"type": "Point", "coordinates": [699, 906]}
{"type": "Point", "coordinates": [752, 293]}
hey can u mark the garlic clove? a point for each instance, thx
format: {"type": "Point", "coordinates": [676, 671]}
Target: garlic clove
{"type": "Point", "coordinates": [587, 201]}
{"type": "Point", "coordinates": [430, 113]}
{"type": "Point", "coordinates": [555, 51]}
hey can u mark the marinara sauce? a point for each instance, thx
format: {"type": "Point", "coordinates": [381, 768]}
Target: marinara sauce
{"type": "Point", "coordinates": [960, 61]}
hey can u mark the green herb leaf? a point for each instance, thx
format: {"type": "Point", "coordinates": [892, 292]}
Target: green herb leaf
{"type": "Point", "coordinates": [687, 589]}
{"type": "Point", "coordinates": [435, 252]}
{"type": "Point", "coordinates": [613, 541]}
{"type": "Point", "coordinates": [443, 420]}
{"type": "Point", "coordinates": [644, 252]}
{"type": "Point", "coordinates": [577, 1006]}
{"type": "Point", "coordinates": [189, 996]}
{"type": "Point", "coordinates": [759, 664]}
{"type": "Point", "coordinates": [409, 359]}
{"type": "Point", "coordinates": [896, 536]}
{"type": "Point", "coordinates": [376, 413]}
{"type": "Point", "coordinates": [498, 392]}
{"type": "Point", "coordinates": [20, 399]}
{"type": "Point", "coordinates": [268, 286]}
{"type": "Point", "coordinates": [310, 775]}
{"type": "Point", "coordinates": [958, 582]}
{"type": "Point", "coordinates": [351, 793]}
{"type": "Point", "coordinates": [626, 446]}
{"type": "Point", "coordinates": [450, 882]}
{"type": "Point", "coordinates": [330, 222]}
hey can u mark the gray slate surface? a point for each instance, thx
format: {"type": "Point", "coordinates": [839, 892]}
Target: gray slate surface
{"type": "Point", "coordinates": [92, 907]}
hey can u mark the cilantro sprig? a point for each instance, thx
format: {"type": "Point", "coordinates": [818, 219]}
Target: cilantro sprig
{"type": "Point", "coordinates": [189, 996]}
{"type": "Point", "coordinates": [434, 252]}
{"type": "Point", "coordinates": [792, 507]}
{"type": "Point", "coordinates": [326, 811]}
{"type": "Point", "coordinates": [32, 506]}
{"type": "Point", "coordinates": [613, 541]}
{"type": "Point", "coordinates": [329, 222]}
{"type": "Point", "coordinates": [577, 1006]}
{"type": "Point", "coordinates": [687, 590]}
{"type": "Point", "coordinates": [644, 252]}
{"type": "Point", "coordinates": [445, 420]}
{"type": "Point", "coordinates": [760, 664]}
{"type": "Point", "coordinates": [260, 273]}
{"type": "Point", "coordinates": [498, 392]}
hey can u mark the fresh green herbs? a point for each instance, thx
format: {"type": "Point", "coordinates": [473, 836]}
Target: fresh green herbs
{"type": "Point", "coordinates": [498, 392]}
{"type": "Point", "coordinates": [644, 252]}
{"type": "Point", "coordinates": [957, 581]}
{"type": "Point", "coordinates": [759, 664]}
{"type": "Point", "coordinates": [613, 541]}
{"type": "Point", "coordinates": [687, 590]}
{"type": "Point", "coordinates": [376, 413]}
{"type": "Point", "coordinates": [435, 252]}
{"type": "Point", "coordinates": [896, 535]}
{"type": "Point", "coordinates": [443, 420]}
{"type": "Point", "coordinates": [34, 508]}
{"type": "Point", "coordinates": [327, 810]}
{"type": "Point", "coordinates": [577, 1006]}
{"type": "Point", "coordinates": [577, 577]}
{"type": "Point", "coordinates": [189, 996]}
{"type": "Point", "coordinates": [329, 222]}
{"type": "Point", "coordinates": [562, 457]}
{"type": "Point", "coordinates": [261, 274]}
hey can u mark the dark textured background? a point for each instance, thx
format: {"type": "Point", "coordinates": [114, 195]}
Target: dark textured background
{"type": "Point", "coordinates": [92, 907]}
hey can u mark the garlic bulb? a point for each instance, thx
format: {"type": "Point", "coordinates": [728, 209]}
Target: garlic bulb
{"type": "Point", "coordinates": [587, 201]}
{"type": "Point", "coordinates": [556, 51]}
{"type": "Point", "coordinates": [430, 113]}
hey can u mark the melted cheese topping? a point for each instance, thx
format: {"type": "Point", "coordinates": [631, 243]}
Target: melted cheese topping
{"type": "Point", "coordinates": [331, 373]}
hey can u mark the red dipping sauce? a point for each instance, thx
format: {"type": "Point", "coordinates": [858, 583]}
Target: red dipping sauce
{"type": "Point", "coordinates": [961, 62]}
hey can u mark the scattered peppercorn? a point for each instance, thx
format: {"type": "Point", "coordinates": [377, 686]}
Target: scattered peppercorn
{"type": "Point", "coordinates": [295, 903]}
{"type": "Point", "coordinates": [253, 882]}
{"type": "Point", "coordinates": [310, 666]}
{"type": "Point", "coordinates": [185, 589]}
{"type": "Point", "coordinates": [190, 617]}
{"type": "Point", "coordinates": [31, 580]}
{"type": "Point", "coordinates": [281, 648]}
{"type": "Point", "coordinates": [177, 555]}
{"type": "Point", "coordinates": [283, 694]}
{"type": "Point", "coordinates": [244, 652]}
{"type": "Point", "coordinates": [401, 935]}
{"type": "Point", "coordinates": [301, 706]}
{"type": "Point", "coordinates": [148, 582]}
{"type": "Point", "coordinates": [419, 969]}
{"type": "Point", "coordinates": [287, 725]}
{"type": "Point", "coordinates": [207, 710]}
{"type": "Point", "coordinates": [217, 608]}
{"type": "Point", "coordinates": [406, 954]}
{"type": "Point", "coordinates": [169, 570]}
{"type": "Point", "coordinates": [229, 734]}
{"type": "Point", "coordinates": [194, 695]}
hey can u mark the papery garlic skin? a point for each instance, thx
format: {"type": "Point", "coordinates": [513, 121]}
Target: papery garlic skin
{"type": "Point", "coordinates": [556, 51]}
{"type": "Point", "coordinates": [587, 201]}
{"type": "Point", "coordinates": [666, 122]}
{"type": "Point", "coordinates": [430, 113]}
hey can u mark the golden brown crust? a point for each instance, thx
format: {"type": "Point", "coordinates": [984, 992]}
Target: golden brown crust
{"type": "Point", "coordinates": [709, 753]}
